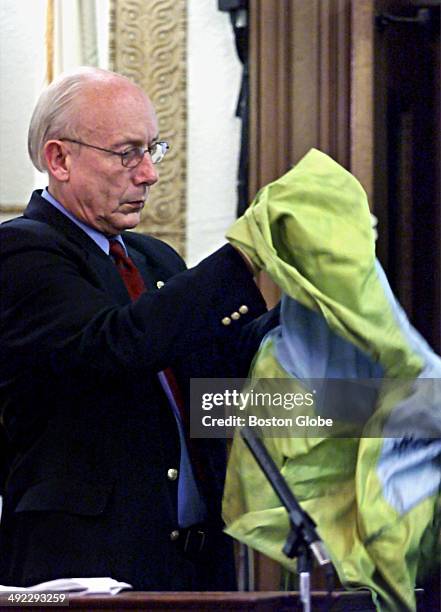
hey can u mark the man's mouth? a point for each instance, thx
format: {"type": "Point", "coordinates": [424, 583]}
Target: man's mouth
{"type": "Point", "coordinates": [135, 204]}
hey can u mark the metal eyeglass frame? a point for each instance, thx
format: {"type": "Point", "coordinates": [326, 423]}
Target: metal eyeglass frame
{"type": "Point", "coordinates": [157, 152]}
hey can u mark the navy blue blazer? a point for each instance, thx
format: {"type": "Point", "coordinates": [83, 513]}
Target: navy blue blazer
{"type": "Point", "coordinates": [90, 432]}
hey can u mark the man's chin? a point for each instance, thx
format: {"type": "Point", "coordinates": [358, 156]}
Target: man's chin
{"type": "Point", "coordinates": [127, 221]}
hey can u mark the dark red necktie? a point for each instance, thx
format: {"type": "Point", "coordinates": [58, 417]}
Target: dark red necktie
{"type": "Point", "coordinates": [127, 270]}
{"type": "Point", "coordinates": [135, 287]}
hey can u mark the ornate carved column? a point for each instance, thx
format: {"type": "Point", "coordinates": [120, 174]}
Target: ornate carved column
{"type": "Point", "coordinates": [148, 45]}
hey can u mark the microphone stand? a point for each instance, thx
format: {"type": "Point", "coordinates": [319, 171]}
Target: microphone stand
{"type": "Point", "coordinates": [303, 541]}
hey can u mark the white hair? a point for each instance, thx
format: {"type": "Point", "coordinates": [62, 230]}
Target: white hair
{"type": "Point", "coordinates": [56, 114]}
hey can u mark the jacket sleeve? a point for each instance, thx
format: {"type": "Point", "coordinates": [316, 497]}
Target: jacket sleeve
{"type": "Point", "coordinates": [54, 313]}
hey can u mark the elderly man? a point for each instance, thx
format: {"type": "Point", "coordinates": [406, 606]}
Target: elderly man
{"type": "Point", "coordinates": [101, 330]}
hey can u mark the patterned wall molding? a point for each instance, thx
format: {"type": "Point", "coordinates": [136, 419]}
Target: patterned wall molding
{"type": "Point", "coordinates": [12, 209]}
{"type": "Point", "coordinates": [148, 45]}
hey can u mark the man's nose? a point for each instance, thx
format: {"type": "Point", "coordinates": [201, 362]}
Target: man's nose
{"type": "Point", "coordinates": [145, 172]}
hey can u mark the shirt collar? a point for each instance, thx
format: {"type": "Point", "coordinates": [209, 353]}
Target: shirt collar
{"type": "Point", "coordinates": [99, 238]}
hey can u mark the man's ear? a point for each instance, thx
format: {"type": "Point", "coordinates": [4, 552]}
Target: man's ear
{"type": "Point", "coordinates": [57, 159]}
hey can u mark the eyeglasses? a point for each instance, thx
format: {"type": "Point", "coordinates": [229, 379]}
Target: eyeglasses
{"type": "Point", "coordinates": [134, 156]}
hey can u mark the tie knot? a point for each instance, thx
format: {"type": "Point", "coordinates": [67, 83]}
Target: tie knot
{"type": "Point", "coordinates": [116, 250]}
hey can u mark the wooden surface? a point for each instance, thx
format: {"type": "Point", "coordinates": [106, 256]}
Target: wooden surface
{"type": "Point", "coordinates": [270, 601]}
{"type": "Point", "coordinates": [256, 601]}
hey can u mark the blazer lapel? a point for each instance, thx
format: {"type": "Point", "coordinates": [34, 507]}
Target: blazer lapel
{"type": "Point", "coordinates": [94, 258]}
{"type": "Point", "coordinates": [109, 276]}
{"type": "Point", "coordinates": [147, 273]}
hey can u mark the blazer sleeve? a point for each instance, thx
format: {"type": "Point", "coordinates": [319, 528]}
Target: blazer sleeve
{"type": "Point", "coordinates": [56, 311]}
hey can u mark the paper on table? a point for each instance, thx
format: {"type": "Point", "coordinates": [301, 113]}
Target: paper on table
{"type": "Point", "coordinates": [79, 586]}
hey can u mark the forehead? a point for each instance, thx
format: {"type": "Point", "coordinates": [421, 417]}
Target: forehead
{"type": "Point", "coordinates": [118, 113]}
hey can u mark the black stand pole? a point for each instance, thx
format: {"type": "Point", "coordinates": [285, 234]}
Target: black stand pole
{"type": "Point", "coordinates": [303, 541]}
